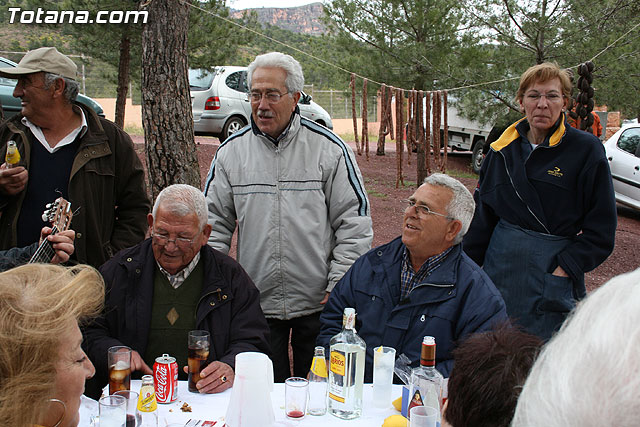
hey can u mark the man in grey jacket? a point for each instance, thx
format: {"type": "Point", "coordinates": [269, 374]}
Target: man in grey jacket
{"type": "Point", "coordinates": [298, 197]}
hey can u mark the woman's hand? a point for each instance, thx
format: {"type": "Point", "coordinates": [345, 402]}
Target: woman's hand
{"type": "Point", "coordinates": [559, 271]}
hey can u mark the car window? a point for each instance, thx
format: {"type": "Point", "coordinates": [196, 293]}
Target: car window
{"type": "Point", "coordinates": [236, 81]}
{"type": "Point", "coordinates": [630, 140]}
{"type": "Point", "coordinates": [200, 79]}
{"type": "Point", "coordinates": [3, 80]}
{"type": "Point", "coordinates": [243, 82]}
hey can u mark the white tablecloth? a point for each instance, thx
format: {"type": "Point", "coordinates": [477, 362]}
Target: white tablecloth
{"type": "Point", "coordinates": [213, 407]}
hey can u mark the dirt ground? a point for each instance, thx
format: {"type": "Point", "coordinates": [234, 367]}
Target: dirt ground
{"type": "Point", "coordinates": [387, 207]}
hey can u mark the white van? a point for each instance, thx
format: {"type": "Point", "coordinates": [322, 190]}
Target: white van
{"type": "Point", "coordinates": [220, 105]}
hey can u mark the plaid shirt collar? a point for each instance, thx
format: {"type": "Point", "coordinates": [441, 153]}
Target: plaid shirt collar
{"type": "Point", "coordinates": [178, 279]}
{"type": "Point", "coordinates": [409, 279]}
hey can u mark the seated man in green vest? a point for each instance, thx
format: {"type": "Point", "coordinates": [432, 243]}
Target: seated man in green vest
{"type": "Point", "coordinates": [170, 284]}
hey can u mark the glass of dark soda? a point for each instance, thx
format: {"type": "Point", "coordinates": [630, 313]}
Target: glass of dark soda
{"type": "Point", "coordinates": [197, 355]}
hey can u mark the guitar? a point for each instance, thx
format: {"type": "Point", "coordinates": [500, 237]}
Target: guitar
{"type": "Point", "coordinates": [59, 214]}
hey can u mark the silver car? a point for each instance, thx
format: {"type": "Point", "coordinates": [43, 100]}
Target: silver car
{"type": "Point", "coordinates": [221, 107]}
{"type": "Point", "coordinates": [623, 153]}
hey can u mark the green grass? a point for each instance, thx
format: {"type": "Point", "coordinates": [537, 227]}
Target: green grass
{"type": "Point", "coordinates": [461, 174]}
{"type": "Point", "coordinates": [377, 194]}
{"type": "Point", "coordinates": [373, 138]}
{"type": "Point", "coordinates": [134, 130]}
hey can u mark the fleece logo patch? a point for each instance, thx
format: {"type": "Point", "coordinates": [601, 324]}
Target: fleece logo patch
{"type": "Point", "coordinates": [555, 172]}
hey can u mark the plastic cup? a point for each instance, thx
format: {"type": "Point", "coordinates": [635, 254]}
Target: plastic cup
{"type": "Point", "coordinates": [113, 411]}
{"type": "Point", "coordinates": [296, 397]}
{"type": "Point", "coordinates": [383, 362]}
{"type": "Point", "coordinates": [423, 416]}
{"type": "Point", "coordinates": [134, 418]}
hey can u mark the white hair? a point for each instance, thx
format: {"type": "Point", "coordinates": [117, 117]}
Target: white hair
{"type": "Point", "coordinates": [589, 373]}
{"type": "Point", "coordinates": [182, 200]}
{"type": "Point", "coordinates": [295, 78]}
{"type": "Point", "coordinates": [71, 87]}
{"type": "Point", "coordinates": [461, 206]}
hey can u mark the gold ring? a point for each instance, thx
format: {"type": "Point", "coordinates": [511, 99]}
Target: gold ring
{"type": "Point", "coordinates": [223, 378]}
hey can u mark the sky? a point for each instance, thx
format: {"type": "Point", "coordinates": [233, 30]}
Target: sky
{"type": "Point", "coordinates": [245, 4]}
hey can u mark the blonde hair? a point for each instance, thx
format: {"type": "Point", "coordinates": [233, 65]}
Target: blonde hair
{"type": "Point", "coordinates": [37, 303]}
{"type": "Point", "coordinates": [543, 73]}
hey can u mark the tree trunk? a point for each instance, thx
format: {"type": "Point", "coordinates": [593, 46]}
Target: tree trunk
{"type": "Point", "coordinates": [123, 77]}
{"type": "Point", "coordinates": [166, 104]}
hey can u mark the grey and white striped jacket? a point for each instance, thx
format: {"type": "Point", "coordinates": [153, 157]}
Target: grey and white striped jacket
{"type": "Point", "coordinates": [302, 212]}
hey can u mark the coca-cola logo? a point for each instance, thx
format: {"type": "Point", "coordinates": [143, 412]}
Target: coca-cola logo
{"type": "Point", "coordinates": [161, 381]}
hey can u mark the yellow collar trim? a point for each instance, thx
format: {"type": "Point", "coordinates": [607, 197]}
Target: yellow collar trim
{"type": "Point", "coordinates": [511, 134]}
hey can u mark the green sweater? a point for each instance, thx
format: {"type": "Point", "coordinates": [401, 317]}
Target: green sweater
{"type": "Point", "coordinates": [173, 315]}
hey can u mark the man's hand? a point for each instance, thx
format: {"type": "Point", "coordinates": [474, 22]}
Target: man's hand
{"type": "Point", "coordinates": [215, 378]}
{"type": "Point", "coordinates": [326, 298]}
{"type": "Point", "coordinates": [137, 364]}
{"type": "Point", "coordinates": [12, 180]}
{"type": "Point", "coordinates": [559, 271]}
{"type": "Point", "coordinates": [61, 242]}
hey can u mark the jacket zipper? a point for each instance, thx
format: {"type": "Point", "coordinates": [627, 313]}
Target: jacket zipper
{"type": "Point", "coordinates": [279, 239]}
{"type": "Point", "coordinates": [506, 168]}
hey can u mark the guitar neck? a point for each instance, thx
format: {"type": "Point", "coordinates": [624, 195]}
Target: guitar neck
{"type": "Point", "coordinates": [45, 251]}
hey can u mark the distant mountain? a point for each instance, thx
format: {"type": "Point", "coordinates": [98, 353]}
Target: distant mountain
{"type": "Point", "coordinates": [302, 19]}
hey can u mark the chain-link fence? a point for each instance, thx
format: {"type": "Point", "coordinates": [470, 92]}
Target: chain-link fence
{"type": "Point", "coordinates": [338, 103]}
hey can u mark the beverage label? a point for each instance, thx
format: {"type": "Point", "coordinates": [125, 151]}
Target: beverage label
{"type": "Point", "coordinates": [12, 156]}
{"type": "Point", "coordinates": [319, 367]}
{"type": "Point", "coordinates": [337, 387]}
{"type": "Point", "coordinates": [338, 361]}
{"type": "Point", "coordinates": [416, 400]}
{"type": "Point", "coordinates": [165, 372]}
{"type": "Point", "coordinates": [147, 400]}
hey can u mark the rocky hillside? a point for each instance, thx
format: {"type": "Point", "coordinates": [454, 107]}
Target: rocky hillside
{"type": "Point", "coordinates": [302, 20]}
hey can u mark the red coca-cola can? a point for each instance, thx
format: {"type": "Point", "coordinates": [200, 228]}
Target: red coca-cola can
{"type": "Point", "coordinates": [165, 373]}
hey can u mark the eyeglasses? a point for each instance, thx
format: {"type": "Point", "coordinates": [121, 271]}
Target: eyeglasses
{"type": "Point", "coordinates": [551, 97]}
{"type": "Point", "coordinates": [424, 210]}
{"type": "Point", "coordinates": [271, 97]}
{"type": "Point", "coordinates": [181, 242]}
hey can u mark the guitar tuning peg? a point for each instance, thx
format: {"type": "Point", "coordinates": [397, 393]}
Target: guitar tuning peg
{"type": "Point", "coordinates": [48, 205]}
{"type": "Point", "coordinates": [45, 217]}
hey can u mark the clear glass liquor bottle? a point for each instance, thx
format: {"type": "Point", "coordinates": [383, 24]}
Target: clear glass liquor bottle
{"type": "Point", "coordinates": [318, 384]}
{"type": "Point", "coordinates": [147, 403]}
{"type": "Point", "coordinates": [346, 374]}
{"type": "Point", "coordinates": [426, 382]}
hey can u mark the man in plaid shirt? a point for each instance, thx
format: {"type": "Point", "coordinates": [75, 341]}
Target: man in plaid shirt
{"type": "Point", "coordinates": [419, 284]}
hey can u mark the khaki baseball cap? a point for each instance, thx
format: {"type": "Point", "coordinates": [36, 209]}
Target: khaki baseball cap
{"type": "Point", "coordinates": [46, 59]}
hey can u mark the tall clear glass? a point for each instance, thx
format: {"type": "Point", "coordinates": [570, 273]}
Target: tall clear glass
{"type": "Point", "coordinates": [119, 361]}
{"type": "Point", "coordinates": [197, 355]}
{"type": "Point", "coordinates": [113, 411]}
{"type": "Point", "coordinates": [134, 419]}
{"type": "Point", "coordinates": [383, 360]}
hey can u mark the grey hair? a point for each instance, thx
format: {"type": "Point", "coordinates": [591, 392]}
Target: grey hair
{"type": "Point", "coordinates": [71, 87]}
{"type": "Point", "coordinates": [461, 206]}
{"type": "Point", "coordinates": [588, 374]}
{"type": "Point", "coordinates": [182, 200]}
{"type": "Point", "coordinates": [295, 78]}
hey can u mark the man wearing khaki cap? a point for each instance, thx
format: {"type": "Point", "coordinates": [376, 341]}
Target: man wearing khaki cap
{"type": "Point", "coordinates": [66, 149]}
